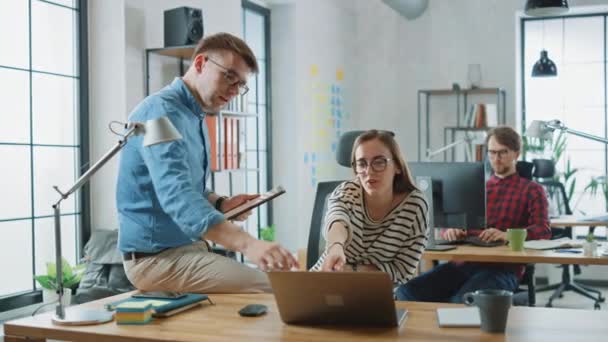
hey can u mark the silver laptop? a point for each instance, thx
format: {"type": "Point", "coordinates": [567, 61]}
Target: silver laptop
{"type": "Point", "coordinates": [340, 298]}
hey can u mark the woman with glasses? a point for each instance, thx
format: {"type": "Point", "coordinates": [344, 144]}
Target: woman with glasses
{"type": "Point", "coordinates": [378, 221]}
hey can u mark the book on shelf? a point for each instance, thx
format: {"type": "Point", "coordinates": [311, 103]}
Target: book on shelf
{"type": "Point", "coordinates": [214, 153]}
{"type": "Point", "coordinates": [235, 143]}
{"type": "Point", "coordinates": [480, 116]}
{"type": "Point", "coordinates": [491, 115]}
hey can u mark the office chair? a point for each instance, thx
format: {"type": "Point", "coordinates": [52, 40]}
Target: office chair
{"type": "Point", "coordinates": [556, 194]}
{"type": "Point", "coordinates": [525, 170]}
{"type": "Point", "coordinates": [316, 244]}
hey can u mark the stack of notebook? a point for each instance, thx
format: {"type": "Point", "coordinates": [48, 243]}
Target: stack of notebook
{"type": "Point", "coordinates": [158, 307]}
{"type": "Point", "coordinates": [134, 312]}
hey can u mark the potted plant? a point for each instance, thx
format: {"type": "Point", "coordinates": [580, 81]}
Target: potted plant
{"type": "Point", "coordinates": [590, 245]}
{"type": "Point", "coordinates": [267, 233]}
{"type": "Point", "coordinates": [48, 282]}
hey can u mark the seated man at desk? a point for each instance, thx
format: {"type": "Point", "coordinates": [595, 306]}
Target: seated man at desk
{"type": "Point", "coordinates": [512, 202]}
{"type": "Point", "coordinates": [378, 221]}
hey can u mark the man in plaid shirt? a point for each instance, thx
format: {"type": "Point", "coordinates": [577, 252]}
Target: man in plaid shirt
{"type": "Point", "coordinates": [512, 202]}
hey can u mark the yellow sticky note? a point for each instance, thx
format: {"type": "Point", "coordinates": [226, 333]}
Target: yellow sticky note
{"type": "Point", "coordinates": [314, 70]}
{"type": "Point", "coordinates": [340, 74]}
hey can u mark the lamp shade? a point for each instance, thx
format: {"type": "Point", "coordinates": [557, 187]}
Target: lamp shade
{"type": "Point", "coordinates": [410, 9]}
{"type": "Point", "coordinates": [539, 129]}
{"type": "Point", "coordinates": [160, 130]}
{"type": "Point", "coordinates": [544, 67]}
{"type": "Point", "coordinates": [538, 8]}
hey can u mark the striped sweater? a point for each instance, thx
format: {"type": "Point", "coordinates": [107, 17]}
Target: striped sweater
{"type": "Point", "coordinates": [394, 244]}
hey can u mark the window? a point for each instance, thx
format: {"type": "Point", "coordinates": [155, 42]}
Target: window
{"type": "Point", "coordinates": [577, 96]}
{"type": "Point", "coordinates": [40, 143]}
{"type": "Point", "coordinates": [256, 32]}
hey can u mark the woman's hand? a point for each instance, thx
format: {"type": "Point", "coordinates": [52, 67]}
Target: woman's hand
{"type": "Point", "coordinates": [335, 258]}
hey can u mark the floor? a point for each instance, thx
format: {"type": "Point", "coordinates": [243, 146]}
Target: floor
{"type": "Point", "coordinates": [570, 300]}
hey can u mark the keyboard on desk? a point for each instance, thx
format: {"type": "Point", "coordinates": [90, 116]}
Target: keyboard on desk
{"type": "Point", "coordinates": [472, 240]}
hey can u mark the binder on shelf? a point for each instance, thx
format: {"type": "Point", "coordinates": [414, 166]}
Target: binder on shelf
{"type": "Point", "coordinates": [235, 143]}
{"type": "Point", "coordinates": [212, 127]}
{"type": "Point", "coordinates": [480, 116]}
{"type": "Point", "coordinates": [224, 144]}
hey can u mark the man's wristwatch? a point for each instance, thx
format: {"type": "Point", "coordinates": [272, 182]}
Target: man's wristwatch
{"type": "Point", "coordinates": [219, 201]}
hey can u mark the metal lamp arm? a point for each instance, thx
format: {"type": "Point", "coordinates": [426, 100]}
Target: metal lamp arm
{"type": "Point", "coordinates": [558, 125]}
{"type": "Point", "coordinates": [132, 129]}
{"type": "Point", "coordinates": [430, 154]}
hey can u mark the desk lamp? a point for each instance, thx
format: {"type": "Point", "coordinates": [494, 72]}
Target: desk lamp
{"type": "Point", "coordinates": [544, 130]}
{"type": "Point", "coordinates": [154, 131]}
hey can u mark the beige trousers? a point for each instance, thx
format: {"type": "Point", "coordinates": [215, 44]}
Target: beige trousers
{"type": "Point", "coordinates": [193, 268]}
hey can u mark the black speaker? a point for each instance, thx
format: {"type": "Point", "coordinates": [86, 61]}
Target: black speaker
{"type": "Point", "coordinates": [183, 26]}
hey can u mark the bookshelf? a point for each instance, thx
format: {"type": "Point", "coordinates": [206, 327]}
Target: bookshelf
{"type": "Point", "coordinates": [240, 174]}
{"type": "Point", "coordinates": [463, 98]}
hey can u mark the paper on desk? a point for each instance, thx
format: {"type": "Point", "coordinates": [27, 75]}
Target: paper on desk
{"type": "Point", "coordinates": [552, 244]}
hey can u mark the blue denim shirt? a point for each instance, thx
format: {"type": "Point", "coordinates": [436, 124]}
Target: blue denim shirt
{"type": "Point", "coordinates": [160, 193]}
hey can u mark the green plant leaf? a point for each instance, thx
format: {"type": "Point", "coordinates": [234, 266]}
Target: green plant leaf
{"type": "Point", "coordinates": [46, 282]}
{"type": "Point", "coordinates": [267, 233]}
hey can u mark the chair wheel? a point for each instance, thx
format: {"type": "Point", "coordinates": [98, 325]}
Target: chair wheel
{"type": "Point", "coordinates": [549, 305]}
{"type": "Point", "coordinates": [561, 296]}
{"type": "Point", "coordinates": [597, 306]}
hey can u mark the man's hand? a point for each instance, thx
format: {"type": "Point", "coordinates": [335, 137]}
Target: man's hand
{"type": "Point", "coordinates": [492, 234]}
{"type": "Point", "coordinates": [335, 258]}
{"type": "Point", "coordinates": [269, 255]}
{"type": "Point", "coordinates": [454, 234]}
{"type": "Point", "coordinates": [235, 201]}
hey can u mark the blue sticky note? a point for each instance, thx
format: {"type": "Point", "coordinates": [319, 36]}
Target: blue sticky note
{"type": "Point", "coordinates": [314, 157]}
{"type": "Point", "coordinates": [305, 157]}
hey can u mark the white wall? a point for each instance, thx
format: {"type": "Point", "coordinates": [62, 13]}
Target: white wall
{"type": "Point", "coordinates": [119, 33]}
{"type": "Point", "coordinates": [312, 52]}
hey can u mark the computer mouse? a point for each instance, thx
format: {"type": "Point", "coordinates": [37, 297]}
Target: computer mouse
{"type": "Point", "coordinates": [253, 310]}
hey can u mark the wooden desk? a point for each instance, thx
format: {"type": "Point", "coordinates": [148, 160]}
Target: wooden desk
{"type": "Point", "coordinates": [574, 221]}
{"type": "Point", "coordinates": [505, 254]}
{"type": "Point", "coordinates": [222, 323]}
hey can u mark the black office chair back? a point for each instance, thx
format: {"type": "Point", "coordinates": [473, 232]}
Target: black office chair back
{"type": "Point", "coordinates": [315, 243]}
{"type": "Point", "coordinates": [524, 169]}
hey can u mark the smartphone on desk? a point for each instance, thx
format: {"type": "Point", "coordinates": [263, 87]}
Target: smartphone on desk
{"type": "Point", "coordinates": [159, 295]}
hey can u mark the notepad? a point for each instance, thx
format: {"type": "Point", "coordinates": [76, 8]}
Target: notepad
{"type": "Point", "coordinates": [552, 244]}
{"type": "Point", "coordinates": [458, 317]}
{"type": "Point", "coordinates": [162, 308]}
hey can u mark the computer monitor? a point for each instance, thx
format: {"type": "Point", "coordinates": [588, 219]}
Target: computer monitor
{"type": "Point", "coordinates": [458, 193]}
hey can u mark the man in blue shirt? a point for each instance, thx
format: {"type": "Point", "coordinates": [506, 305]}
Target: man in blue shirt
{"type": "Point", "coordinates": [165, 210]}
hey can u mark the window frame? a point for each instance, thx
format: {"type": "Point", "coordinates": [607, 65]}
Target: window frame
{"type": "Point", "coordinates": [523, 71]}
{"type": "Point", "coordinates": [82, 212]}
{"type": "Point", "coordinates": [265, 13]}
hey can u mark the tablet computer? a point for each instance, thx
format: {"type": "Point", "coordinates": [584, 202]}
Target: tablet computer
{"type": "Point", "coordinates": [256, 202]}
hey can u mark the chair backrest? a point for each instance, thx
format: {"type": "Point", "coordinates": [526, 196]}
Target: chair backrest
{"type": "Point", "coordinates": [558, 205]}
{"type": "Point", "coordinates": [524, 169]}
{"type": "Point", "coordinates": [315, 243]}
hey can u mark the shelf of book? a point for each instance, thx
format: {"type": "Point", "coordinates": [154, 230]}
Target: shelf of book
{"type": "Point", "coordinates": [468, 116]}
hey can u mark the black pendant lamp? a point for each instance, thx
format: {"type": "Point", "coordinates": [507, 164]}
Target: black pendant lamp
{"type": "Point", "coordinates": [544, 67]}
{"type": "Point", "coordinates": [537, 8]}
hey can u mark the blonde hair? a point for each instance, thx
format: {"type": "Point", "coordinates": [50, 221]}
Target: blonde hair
{"type": "Point", "coordinates": [403, 182]}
